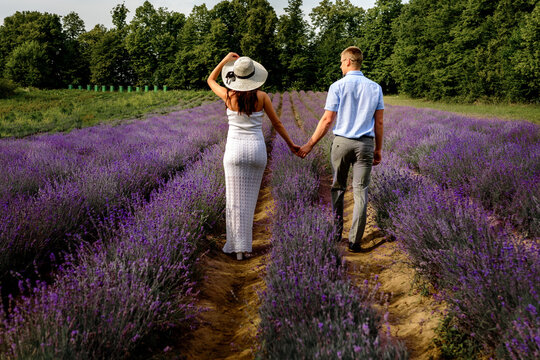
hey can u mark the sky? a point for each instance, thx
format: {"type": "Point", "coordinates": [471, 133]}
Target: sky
{"type": "Point", "coordinates": [94, 12]}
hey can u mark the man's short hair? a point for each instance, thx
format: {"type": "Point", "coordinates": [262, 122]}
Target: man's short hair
{"type": "Point", "coordinates": [355, 54]}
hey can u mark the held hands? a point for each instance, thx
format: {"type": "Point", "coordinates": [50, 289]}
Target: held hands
{"type": "Point", "coordinates": [294, 148]}
{"type": "Point", "coordinates": [304, 150]}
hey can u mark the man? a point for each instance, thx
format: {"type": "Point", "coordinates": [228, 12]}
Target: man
{"type": "Point", "coordinates": [356, 105]}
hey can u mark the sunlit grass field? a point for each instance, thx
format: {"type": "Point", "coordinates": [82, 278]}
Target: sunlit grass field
{"type": "Point", "coordinates": [37, 111]}
{"type": "Point", "coordinates": [529, 112]}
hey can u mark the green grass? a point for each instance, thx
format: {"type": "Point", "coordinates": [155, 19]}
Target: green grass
{"type": "Point", "coordinates": [36, 111]}
{"type": "Point", "coordinates": [529, 112]}
{"type": "Point", "coordinates": [455, 344]}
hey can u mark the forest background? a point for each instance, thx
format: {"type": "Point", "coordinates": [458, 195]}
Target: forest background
{"type": "Point", "coordinates": [458, 50]}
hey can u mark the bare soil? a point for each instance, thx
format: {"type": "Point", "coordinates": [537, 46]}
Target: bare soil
{"type": "Point", "coordinates": [229, 293]}
{"type": "Point", "coordinates": [412, 317]}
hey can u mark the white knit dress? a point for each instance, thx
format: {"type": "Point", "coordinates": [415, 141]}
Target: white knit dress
{"type": "Point", "coordinates": [244, 162]}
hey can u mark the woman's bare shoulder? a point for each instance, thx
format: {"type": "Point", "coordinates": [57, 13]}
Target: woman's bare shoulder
{"type": "Point", "coordinates": [262, 96]}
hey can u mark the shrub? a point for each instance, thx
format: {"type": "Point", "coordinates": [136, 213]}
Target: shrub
{"type": "Point", "coordinates": [454, 343]}
{"type": "Point", "coordinates": [7, 88]}
{"type": "Point", "coordinates": [28, 64]}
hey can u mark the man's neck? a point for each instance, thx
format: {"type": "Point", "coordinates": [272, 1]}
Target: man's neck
{"type": "Point", "coordinates": [349, 70]}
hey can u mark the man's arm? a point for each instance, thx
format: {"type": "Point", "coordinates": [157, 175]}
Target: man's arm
{"type": "Point", "coordinates": [377, 153]}
{"type": "Point", "coordinates": [322, 128]}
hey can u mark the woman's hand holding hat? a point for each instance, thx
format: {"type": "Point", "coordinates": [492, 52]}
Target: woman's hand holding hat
{"type": "Point", "coordinates": [232, 56]}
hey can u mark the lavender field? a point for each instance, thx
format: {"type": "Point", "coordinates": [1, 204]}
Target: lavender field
{"type": "Point", "coordinates": [114, 220]}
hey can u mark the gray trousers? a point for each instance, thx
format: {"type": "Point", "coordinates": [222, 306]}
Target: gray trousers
{"type": "Point", "coordinates": [357, 153]}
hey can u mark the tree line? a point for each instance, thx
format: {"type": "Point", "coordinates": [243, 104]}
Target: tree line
{"type": "Point", "coordinates": [436, 49]}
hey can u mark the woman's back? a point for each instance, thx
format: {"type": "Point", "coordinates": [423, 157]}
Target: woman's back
{"type": "Point", "coordinates": [244, 125]}
{"type": "Point", "coordinates": [256, 100]}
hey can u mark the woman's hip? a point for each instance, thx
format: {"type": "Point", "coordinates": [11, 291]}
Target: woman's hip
{"type": "Point", "coordinates": [245, 153]}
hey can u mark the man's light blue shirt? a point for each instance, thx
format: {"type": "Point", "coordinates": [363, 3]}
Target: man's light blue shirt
{"type": "Point", "coordinates": [355, 99]}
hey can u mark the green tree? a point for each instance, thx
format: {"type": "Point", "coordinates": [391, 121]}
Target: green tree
{"type": "Point", "coordinates": [152, 42]}
{"type": "Point", "coordinates": [422, 55]}
{"type": "Point", "coordinates": [185, 73]}
{"type": "Point", "coordinates": [339, 25]}
{"type": "Point", "coordinates": [259, 40]}
{"type": "Point", "coordinates": [124, 71]}
{"type": "Point", "coordinates": [377, 43]}
{"type": "Point", "coordinates": [119, 16]}
{"type": "Point", "coordinates": [43, 28]}
{"type": "Point", "coordinates": [75, 68]}
{"type": "Point", "coordinates": [208, 54]}
{"type": "Point", "coordinates": [473, 29]}
{"type": "Point", "coordinates": [27, 64]}
{"type": "Point", "coordinates": [292, 37]}
{"type": "Point", "coordinates": [105, 51]}
{"type": "Point", "coordinates": [73, 26]}
{"type": "Point", "coordinates": [89, 39]}
{"type": "Point", "coordinates": [515, 46]}
{"type": "Point", "coordinates": [467, 50]}
{"type": "Point", "coordinates": [523, 79]}
{"type": "Point", "coordinates": [107, 59]}
{"type": "Point", "coordinates": [206, 37]}
{"type": "Point", "coordinates": [233, 15]}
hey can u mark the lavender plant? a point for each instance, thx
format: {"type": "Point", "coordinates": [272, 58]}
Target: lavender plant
{"type": "Point", "coordinates": [488, 276]}
{"type": "Point", "coordinates": [491, 160]}
{"type": "Point", "coordinates": [61, 184]}
{"type": "Point", "coordinates": [115, 293]}
{"type": "Point", "coordinates": [138, 277]}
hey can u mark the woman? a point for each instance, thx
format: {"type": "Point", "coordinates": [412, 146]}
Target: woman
{"type": "Point", "coordinates": [245, 152]}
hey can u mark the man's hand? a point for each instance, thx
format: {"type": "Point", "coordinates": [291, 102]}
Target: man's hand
{"type": "Point", "coordinates": [294, 148]}
{"type": "Point", "coordinates": [304, 150]}
{"type": "Point", "coordinates": [377, 157]}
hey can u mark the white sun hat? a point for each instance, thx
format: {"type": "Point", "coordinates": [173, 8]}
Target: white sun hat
{"type": "Point", "coordinates": [243, 74]}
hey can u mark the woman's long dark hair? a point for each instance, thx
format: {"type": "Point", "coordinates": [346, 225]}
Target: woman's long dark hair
{"type": "Point", "coordinates": [247, 100]}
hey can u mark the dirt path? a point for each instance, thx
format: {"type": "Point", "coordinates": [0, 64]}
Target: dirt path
{"type": "Point", "coordinates": [229, 293]}
{"type": "Point", "coordinates": [412, 317]}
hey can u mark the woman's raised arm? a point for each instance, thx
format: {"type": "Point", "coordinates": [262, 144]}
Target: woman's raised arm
{"type": "Point", "coordinates": [212, 79]}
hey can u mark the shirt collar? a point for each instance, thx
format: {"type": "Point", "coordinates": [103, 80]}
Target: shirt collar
{"type": "Point", "coordinates": [355, 72]}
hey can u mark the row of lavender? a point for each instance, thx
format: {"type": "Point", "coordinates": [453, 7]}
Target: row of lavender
{"type": "Point", "coordinates": [310, 310]}
{"type": "Point", "coordinates": [55, 187]}
{"type": "Point", "coordinates": [117, 291]}
{"type": "Point", "coordinates": [489, 275]}
{"type": "Point", "coordinates": [138, 278]}
{"type": "Point", "coordinates": [496, 162]}
{"type": "Point", "coordinates": [447, 221]}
